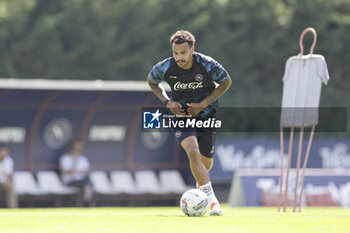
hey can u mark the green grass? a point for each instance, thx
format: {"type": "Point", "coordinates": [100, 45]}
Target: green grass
{"type": "Point", "coordinates": [171, 220]}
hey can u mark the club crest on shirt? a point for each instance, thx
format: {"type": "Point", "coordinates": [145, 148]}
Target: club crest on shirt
{"type": "Point", "coordinates": [198, 77]}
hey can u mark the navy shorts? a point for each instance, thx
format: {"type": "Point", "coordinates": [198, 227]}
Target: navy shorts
{"type": "Point", "coordinates": [205, 137]}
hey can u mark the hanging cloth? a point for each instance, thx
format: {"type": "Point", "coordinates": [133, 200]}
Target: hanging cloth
{"type": "Point", "coordinates": [302, 83]}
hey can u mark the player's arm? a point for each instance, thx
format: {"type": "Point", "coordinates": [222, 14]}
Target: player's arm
{"type": "Point", "coordinates": [159, 91]}
{"type": "Point", "coordinates": [195, 108]}
{"type": "Point", "coordinates": [217, 92]}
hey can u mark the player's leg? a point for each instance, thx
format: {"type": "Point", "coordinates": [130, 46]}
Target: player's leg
{"type": "Point", "coordinates": [206, 141]}
{"type": "Point", "coordinates": [208, 162]}
{"type": "Point", "coordinates": [195, 152]}
{"type": "Point", "coordinates": [200, 173]}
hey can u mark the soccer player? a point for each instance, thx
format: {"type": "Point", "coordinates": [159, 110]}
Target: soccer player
{"type": "Point", "coordinates": [196, 82]}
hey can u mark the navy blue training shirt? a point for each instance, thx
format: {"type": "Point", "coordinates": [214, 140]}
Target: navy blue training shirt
{"type": "Point", "coordinates": [191, 85]}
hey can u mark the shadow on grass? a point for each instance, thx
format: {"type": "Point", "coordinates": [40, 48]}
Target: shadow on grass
{"type": "Point", "coordinates": [181, 216]}
{"type": "Point", "coordinates": [169, 215]}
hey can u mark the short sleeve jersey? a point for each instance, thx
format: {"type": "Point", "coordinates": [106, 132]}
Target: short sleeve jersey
{"type": "Point", "coordinates": [191, 85]}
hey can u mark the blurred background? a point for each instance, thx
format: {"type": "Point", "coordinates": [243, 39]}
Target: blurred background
{"type": "Point", "coordinates": [106, 43]}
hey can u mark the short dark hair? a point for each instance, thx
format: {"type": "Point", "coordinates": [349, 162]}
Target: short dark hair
{"type": "Point", "coordinates": [182, 36]}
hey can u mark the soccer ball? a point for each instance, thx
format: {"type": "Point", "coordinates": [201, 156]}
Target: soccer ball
{"type": "Point", "coordinates": [194, 203]}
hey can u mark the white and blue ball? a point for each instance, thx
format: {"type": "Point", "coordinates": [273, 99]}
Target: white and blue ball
{"type": "Point", "coordinates": [194, 203]}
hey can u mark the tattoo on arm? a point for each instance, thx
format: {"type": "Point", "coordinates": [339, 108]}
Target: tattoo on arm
{"type": "Point", "coordinates": [218, 91]}
{"type": "Point", "coordinates": [158, 90]}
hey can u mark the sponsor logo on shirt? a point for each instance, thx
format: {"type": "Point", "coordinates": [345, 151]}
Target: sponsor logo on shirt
{"type": "Point", "coordinates": [184, 86]}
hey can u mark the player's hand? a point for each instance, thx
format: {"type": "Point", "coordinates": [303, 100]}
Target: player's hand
{"type": "Point", "coordinates": [176, 108]}
{"type": "Point", "coordinates": [194, 108]}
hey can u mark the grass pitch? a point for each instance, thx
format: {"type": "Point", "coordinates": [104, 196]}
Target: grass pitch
{"type": "Point", "coordinates": [171, 220]}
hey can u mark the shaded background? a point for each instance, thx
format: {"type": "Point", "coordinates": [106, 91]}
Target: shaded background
{"type": "Point", "coordinates": [123, 39]}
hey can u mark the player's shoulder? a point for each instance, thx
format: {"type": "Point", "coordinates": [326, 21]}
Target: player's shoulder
{"type": "Point", "coordinates": [200, 57]}
{"type": "Point", "coordinates": [206, 61]}
{"type": "Point", "coordinates": [164, 65]}
{"type": "Point", "coordinates": [159, 70]}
